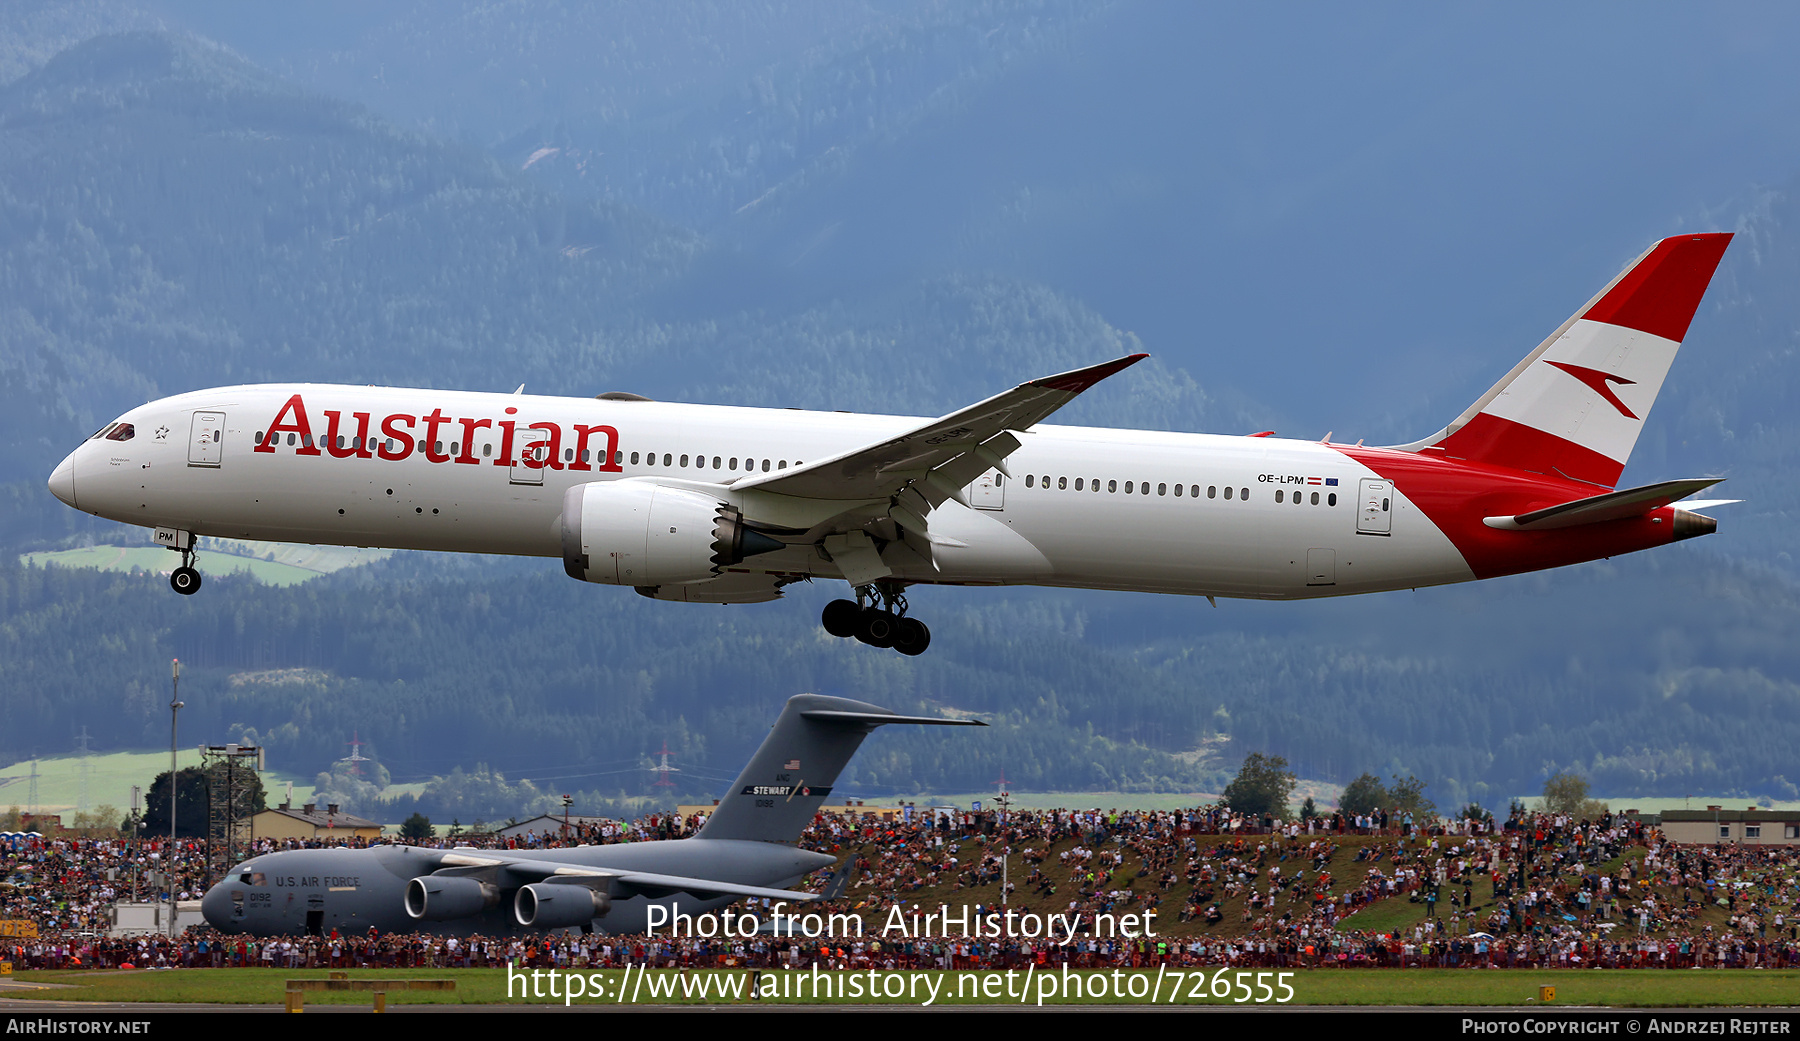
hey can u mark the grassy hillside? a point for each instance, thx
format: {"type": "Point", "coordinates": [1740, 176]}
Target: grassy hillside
{"type": "Point", "coordinates": [109, 777]}
{"type": "Point", "coordinates": [273, 563]}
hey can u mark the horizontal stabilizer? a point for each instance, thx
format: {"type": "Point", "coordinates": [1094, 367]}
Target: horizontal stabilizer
{"type": "Point", "coordinates": [875, 719]}
{"type": "Point", "coordinates": [1620, 505]}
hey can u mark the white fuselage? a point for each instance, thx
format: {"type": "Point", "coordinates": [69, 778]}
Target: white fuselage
{"type": "Point", "coordinates": [1101, 508]}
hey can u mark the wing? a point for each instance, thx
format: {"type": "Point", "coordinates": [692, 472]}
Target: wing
{"type": "Point", "coordinates": [524, 869]}
{"type": "Point", "coordinates": [888, 489]}
{"type": "Point", "coordinates": [945, 454]}
{"type": "Point", "coordinates": [652, 884]}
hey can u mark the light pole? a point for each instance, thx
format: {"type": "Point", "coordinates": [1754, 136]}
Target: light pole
{"type": "Point", "coordinates": [169, 861]}
{"type": "Point", "coordinates": [136, 849]}
{"type": "Point", "coordinates": [1005, 801]}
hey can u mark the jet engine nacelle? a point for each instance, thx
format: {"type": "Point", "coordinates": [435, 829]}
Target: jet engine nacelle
{"type": "Point", "coordinates": [550, 906]}
{"type": "Point", "coordinates": [639, 533]}
{"type": "Point", "coordinates": [436, 898]}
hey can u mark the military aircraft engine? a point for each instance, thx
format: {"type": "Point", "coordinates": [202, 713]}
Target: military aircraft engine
{"type": "Point", "coordinates": [437, 898]}
{"type": "Point", "coordinates": [545, 906]}
{"type": "Point", "coordinates": [639, 533]}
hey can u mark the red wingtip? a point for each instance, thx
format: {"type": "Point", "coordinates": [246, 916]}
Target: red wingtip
{"type": "Point", "coordinates": [1081, 379]}
{"type": "Point", "coordinates": [1661, 293]}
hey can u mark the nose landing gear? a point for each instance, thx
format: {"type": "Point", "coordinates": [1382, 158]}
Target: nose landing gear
{"type": "Point", "coordinates": [884, 626]}
{"type": "Point", "coordinates": [186, 579]}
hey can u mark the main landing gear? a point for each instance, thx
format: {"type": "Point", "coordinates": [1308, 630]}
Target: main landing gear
{"type": "Point", "coordinates": [884, 626]}
{"type": "Point", "coordinates": [185, 579]}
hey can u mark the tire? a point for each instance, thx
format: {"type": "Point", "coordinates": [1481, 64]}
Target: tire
{"type": "Point", "coordinates": [840, 618]}
{"type": "Point", "coordinates": [876, 628]}
{"type": "Point", "coordinates": [911, 637]}
{"type": "Point", "coordinates": [185, 580]}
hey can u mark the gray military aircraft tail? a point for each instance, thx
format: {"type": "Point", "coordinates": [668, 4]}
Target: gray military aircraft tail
{"type": "Point", "coordinates": [790, 776]}
{"type": "Point", "coordinates": [746, 848]}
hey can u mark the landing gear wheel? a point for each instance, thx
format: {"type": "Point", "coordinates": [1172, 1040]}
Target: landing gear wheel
{"type": "Point", "coordinates": [841, 617]}
{"type": "Point", "coordinates": [911, 636]}
{"type": "Point", "coordinates": [185, 580]}
{"type": "Point", "coordinates": [876, 628]}
{"type": "Point", "coordinates": [878, 618]}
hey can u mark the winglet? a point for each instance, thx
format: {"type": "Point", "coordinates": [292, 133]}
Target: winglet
{"type": "Point", "coordinates": [1078, 380]}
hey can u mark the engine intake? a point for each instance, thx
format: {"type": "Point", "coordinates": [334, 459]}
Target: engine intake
{"type": "Point", "coordinates": [638, 533]}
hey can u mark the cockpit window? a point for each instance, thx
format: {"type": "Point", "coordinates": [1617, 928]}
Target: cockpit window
{"type": "Point", "coordinates": [122, 432]}
{"type": "Point", "coordinates": [96, 435]}
{"type": "Point", "coordinates": [254, 878]}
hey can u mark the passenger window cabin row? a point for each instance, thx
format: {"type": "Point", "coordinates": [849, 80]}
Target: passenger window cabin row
{"type": "Point", "coordinates": [1191, 491]}
{"type": "Point", "coordinates": [669, 461]}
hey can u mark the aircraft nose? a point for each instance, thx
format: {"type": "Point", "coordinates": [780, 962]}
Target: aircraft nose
{"type": "Point", "coordinates": [62, 481]}
{"type": "Point", "coordinates": [215, 906]}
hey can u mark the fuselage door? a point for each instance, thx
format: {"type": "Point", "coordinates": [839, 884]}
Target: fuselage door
{"type": "Point", "coordinates": [535, 448]}
{"type": "Point", "coordinates": [204, 436]}
{"type": "Point", "coordinates": [988, 492]}
{"type": "Point", "coordinates": [1375, 507]}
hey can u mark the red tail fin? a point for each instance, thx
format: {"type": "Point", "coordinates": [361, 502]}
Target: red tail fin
{"type": "Point", "coordinates": [1575, 405]}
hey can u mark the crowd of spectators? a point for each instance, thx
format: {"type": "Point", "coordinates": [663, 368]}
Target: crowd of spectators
{"type": "Point", "coordinates": [1535, 890]}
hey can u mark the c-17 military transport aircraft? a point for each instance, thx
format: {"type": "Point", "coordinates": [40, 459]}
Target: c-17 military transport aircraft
{"type": "Point", "coordinates": [746, 848]}
{"type": "Point", "coordinates": [720, 505]}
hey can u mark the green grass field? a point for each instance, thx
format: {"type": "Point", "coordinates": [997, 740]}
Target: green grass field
{"type": "Point", "coordinates": [273, 563]}
{"type": "Point", "coordinates": [159, 561]}
{"type": "Point", "coordinates": [109, 780]}
{"type": "Point", "coordinates": [1497, 987]}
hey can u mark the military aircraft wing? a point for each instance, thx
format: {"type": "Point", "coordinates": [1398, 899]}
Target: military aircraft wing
{"type": "Point", "coordinates": [651, 884]}
{"type": "Point", "coordinates": [648, 882]}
